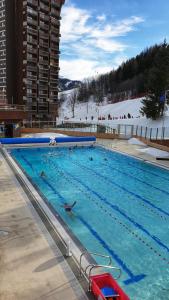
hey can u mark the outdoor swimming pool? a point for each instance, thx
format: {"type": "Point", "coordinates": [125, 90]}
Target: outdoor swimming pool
{"type": "Point", "coordinates": [122, 209]}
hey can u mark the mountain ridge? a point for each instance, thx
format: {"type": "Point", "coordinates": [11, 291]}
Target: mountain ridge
{"type": "Point", "coordinates": [68, 84]}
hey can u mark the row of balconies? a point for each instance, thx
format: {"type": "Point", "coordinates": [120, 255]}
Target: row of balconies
{"type": "Point", "coordinates": [44, 26]}
{"type": "Point", "coordinates": [43, 41]}
{"type": "Point", "coordinates": [33, 69]}
{"type": "Point", "coordinates": [42, 107]}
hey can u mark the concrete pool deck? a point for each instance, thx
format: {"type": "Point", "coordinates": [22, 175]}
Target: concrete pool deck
{"type": "Point", "coordinates": [31, 265]}
{"type": "Point", "coordinates": [134, 150]}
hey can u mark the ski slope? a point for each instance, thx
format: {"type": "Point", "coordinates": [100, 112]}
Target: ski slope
{"type": "Point", "coordinates": [90, 112]}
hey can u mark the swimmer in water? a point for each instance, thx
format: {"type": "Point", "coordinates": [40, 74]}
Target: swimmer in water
{"type": "Point", "coordinates": [42, 174]}
{"type": "Point", "coordinates": [68, 207]}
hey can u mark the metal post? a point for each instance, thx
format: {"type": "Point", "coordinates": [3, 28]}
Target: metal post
{"type": "Point", "coordinates": [136, 129]}
{"type": "Point", "coordinates": [150, 133]}
{"type": "Point", "coordinates": [157, 133]}
{"type": "Point", "coordinates": [146, 133]}
{"type": "Point", "coordinates": [163, 130]}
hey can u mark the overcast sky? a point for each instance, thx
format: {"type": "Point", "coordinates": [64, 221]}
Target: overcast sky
{"type": "Point", "coordinates": [97, 36]}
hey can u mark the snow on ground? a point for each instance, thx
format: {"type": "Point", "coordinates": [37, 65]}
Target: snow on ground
{"type": "Point", "coordinates": [134, 141]}
{"type": "Point", "coordinates": [154, 152]}
{"type": "Point", "coordinates": [45, 135]}
{"type": "Point", "coordinates": [91, 112]}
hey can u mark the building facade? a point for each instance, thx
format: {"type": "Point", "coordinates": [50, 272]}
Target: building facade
{"type": "Point", "coordinates": [3, 88]}
{"type": "Point", "coordinates": [30, 55]}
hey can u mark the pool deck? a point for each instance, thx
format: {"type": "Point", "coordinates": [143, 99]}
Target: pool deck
{"type": "Point", "coordinates": [31, 265]}
{"type": "Point", "coordinates": [126, 148]}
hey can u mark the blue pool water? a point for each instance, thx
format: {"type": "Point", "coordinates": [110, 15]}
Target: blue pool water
{"type": "Point", "coordinates": [122, 209]}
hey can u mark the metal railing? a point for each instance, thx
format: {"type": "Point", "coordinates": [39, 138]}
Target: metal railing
{"type": "Point", "coordinates": [12, 107]}
{"type": "Point", "coordinates": [95, 254]}
{"type": "Point", "coordinates": [119, 130]}
{"type": "Point", "coordinates": [151, 133]}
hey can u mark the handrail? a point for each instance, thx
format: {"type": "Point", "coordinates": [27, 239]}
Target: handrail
{"type": "Point", "coordinates": [100, 266]}
{"type": "Point", "coordinates": [96, 254]}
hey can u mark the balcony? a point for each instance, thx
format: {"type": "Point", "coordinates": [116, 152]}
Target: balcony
{"type": "Point", "coordinates": [54, 3]}
{"type": "Point", "coordinates": [44, 7]}
{"type": "Point", "coordinates": [32, 3]}
{"type": "Point", "coordinates": [31, 41]}
{"type": "Point", "coordinates": [55, 31]}
{"type": "Point", "coordinates": [43, 35]}
{"type": "Point", "coordinates": [43, 93]}
{"type": "Point", "coordinates": [54, 71]}
{"type": "Point", "coordinates": [32, 12]}
{"type": "Point", "coordinates": [31, 59]}
{"type": "Point", "coordinates": [55, 13]}
{"type": "Point", "coordinates": [31, 21]}
{"type": "Point", "coordinates": [43, 68]}
{"type": "Point", "coordinates": [31, 106]}
{"type": "Point", "coordinates": [44, 44]}
{"type": "Point", "coordinates": [54, 63]}
{"type": "Point", "coordinates": [43, 62]}
{"type": "Point", "coordinates": [43, 53]}
{"type": "Point", "coordinates": [54, 38]}
{"type": "Point", "coordinates": [31, 94]}
{"type": "Point", "coordinates": [54, 48]}
{"type": "Point", "coordinates": [43, 106]}
{"type": "Point", "coordinates": [53, 81]}
{"type": "Point", "coordinates": [44, 26]}
{"type": "Point", "coordinates": [30, 75]}
{"type": "Point", "coordinates": [32, 31]}
{"type": "Point", "coordinates": [53, 107]}
{"type": "Point", "coordinates": [43, 74]}
{"type": "Point", "coordinates": [55, 22]}
{"type": "Point", "coordinates": [43, 81]}
{"type": "Point", "coordinates": [31, 50]}
{"type": "Point", "coordinates": [45, 1]}
{"type": "Point", "coordinates": [32, 68]}
{"type": "Point", "coordinates": [44, 17]}
{"type": "Point", "coordinates": [53, 89]}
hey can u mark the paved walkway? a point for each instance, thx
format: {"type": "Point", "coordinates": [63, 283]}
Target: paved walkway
{"type": "Point", "coordinates": [125, 147]}
{"type": "Point", "coordinates": [31, 266]}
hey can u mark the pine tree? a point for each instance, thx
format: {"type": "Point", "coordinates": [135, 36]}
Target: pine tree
{"type": "Point", "coordinates": [158, 83]}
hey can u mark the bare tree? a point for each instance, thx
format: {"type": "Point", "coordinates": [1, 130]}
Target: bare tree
{"type": "Point", "coordinates": [72, 100]}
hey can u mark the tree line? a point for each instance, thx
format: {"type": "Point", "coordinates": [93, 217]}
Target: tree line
{"type": "Point", "coordinates": [147, 74]}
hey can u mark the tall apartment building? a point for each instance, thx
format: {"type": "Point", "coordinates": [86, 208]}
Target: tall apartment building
{"type": "Point", "coordinates": [3, 78]}
{"type": "Point", "coordinates": [29, 55]}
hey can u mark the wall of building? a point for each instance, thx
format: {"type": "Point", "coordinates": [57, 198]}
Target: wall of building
{"type": "Point", "coordinates": [3, 90]}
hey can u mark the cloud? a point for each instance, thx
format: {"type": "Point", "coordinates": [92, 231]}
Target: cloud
{"type": "Point", "coordinates": [101, 18]}
{"type": "Point", "coordinates": [80, 68]}
{"type": "Point", "coordinates": [117, 29]}
{"type": "Point", "coordinates": [74, 23]}
{"type": "Point", "coordinates": [88, 40]}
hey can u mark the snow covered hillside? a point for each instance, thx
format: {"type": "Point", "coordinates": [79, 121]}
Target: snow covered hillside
{"type": "Point", "coordinates": [110, 114]}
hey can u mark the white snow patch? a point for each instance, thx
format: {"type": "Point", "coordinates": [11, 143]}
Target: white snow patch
{"type": "Point", "coordinates": [91, 112]}
{"type": "Point", "coordinates": [45, 135]}
{"type": "Point", "coordinates": [135, 141]}
{"type": "Point", "coordinates": [154, 152]}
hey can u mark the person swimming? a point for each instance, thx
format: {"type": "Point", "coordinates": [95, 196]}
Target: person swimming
{"type": "Point", "coordinates": [68, 207]}
{"type": "Point", "coordinates": [91, 158]}
{"type": "Point", "coordinates": [42, 174]}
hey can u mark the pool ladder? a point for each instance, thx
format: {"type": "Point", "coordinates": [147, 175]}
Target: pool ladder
{"type": "Point", "coordinates": [88, 270]}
